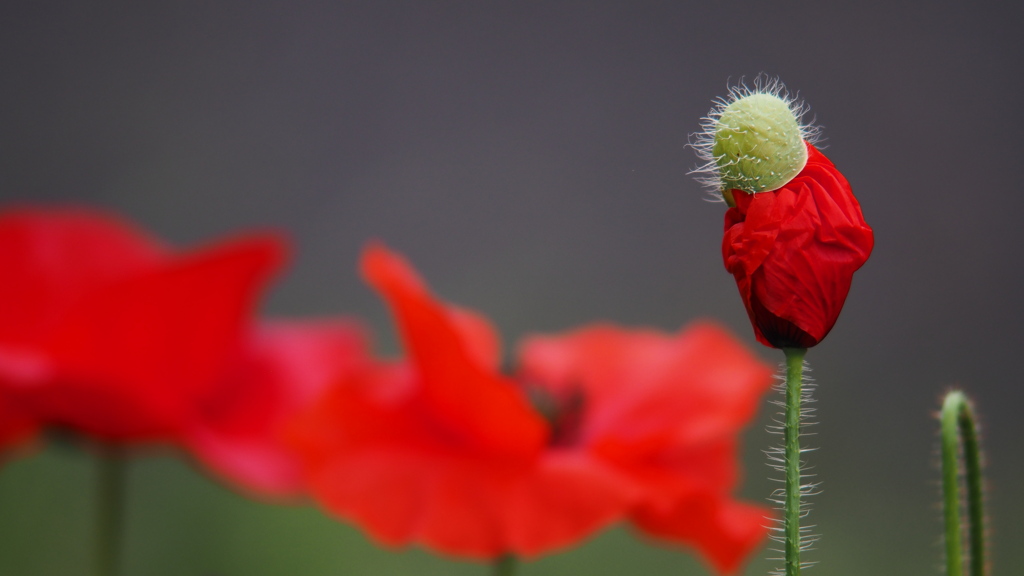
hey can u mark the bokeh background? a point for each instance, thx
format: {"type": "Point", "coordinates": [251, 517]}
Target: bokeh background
{"type": "Point", "coordinates": [531, 159]}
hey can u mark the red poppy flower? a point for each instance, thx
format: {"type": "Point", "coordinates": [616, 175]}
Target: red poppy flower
{"type": "Point", "coordinates": [445, 451]}
{"type": "Point", "coordinates": [122, 335]}
{"type": "Point", "coordinates": [110, 333]}
{"type": "Point", "coordinates": [793, 252]}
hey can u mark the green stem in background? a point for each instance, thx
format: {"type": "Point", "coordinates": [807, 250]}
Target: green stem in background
{"type": "Point", "coordinates": [958, 424]}
{"type": "Point", "coordinates": [110, 509]}
{"type": "Point", "coordinates": [794, 393]}
{"type": "Point", "coordinates": [505, 565]}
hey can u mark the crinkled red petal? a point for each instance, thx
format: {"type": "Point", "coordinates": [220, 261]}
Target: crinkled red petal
{"type": "Point", "coordinates": [793, 253]}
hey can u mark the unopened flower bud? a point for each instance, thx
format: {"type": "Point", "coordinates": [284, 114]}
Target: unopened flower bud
{"type": "Point", "coordinates": [794, 233]}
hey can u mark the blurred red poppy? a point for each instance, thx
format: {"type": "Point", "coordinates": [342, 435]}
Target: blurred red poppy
{"type": "Point", "coordinates": [793, 253]}
{"type": "Point", "coordinates": [599, 425]}
{"type": "Point", "coordinates": [17, 428]}
{"type": "Point", "coordinates": [108, 332]}
{"type": "Point", "coordinates": [123, 335]}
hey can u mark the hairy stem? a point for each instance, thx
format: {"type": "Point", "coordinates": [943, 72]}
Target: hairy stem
{"type": "Point", "coordinates": [794, 391]}
{"type": "Point", "coordinates": [958, 425]}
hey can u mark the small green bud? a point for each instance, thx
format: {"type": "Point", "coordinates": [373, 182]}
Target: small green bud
{"type": "Point", "coordinates": [753, 140]}
{"type": "Point", "coordinates": [758, 144]}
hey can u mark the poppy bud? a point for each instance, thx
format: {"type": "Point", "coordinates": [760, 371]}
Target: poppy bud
{"type": "Point", "coordinates": [794, 233]}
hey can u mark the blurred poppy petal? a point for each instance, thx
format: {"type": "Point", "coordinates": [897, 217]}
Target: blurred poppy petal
{"type": "Point", "coordinates": [286, 365]}
{"type": "Point", "coordinates": [725, 532]}
{"type": "Point", "coordinates": [567, 497]}
{"type": "Point", "coordinates": [16, 426]}
{"type": "Point", "coordinates": [664, 410]}
{"type": "Point", "coordinates": [643, 386]}
{"type": "Point", "coordinates": [106, 331]}
{"type": "Point", "coordinates": [134, 356]}
{"type": "Point", "coordinates": [491, 413]}
{"type": "Point", "coordinates": [470, 507]}
{"type": "Point", "coordinates": [51, 258]}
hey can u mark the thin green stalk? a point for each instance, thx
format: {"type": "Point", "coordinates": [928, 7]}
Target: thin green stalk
{"type": "Point", "coordinates": [505, 565]}
{"type": "Point", "coordinates": [958, 425]}
{"type": "Point", "coordinates": [110, 510]}
{"type": "Point", "coordinates": [794, 392]}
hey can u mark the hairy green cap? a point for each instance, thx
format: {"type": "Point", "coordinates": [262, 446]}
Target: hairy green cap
{"type": "Point", "coordinates": [758, 144]}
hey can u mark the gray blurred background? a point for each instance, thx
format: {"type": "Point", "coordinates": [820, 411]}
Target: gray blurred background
{"type": "Point", "coordinates": [531, 160]}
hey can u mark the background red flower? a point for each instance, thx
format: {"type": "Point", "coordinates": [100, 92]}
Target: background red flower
{"type": "Point", "coordinates": [124, 335]}
{"type": "Point", "coordinates": [108, 332]}
{"type": "Point", "coordinates": [445, 451]}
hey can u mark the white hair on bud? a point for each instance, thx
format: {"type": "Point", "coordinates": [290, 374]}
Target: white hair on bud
{"type": "Point", "coordinates": [777, 462]}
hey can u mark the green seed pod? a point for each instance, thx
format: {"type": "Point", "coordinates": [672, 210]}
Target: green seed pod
{"type": "Point", "coordinates": [753, 140]}
{"type": "Point", "coordinates": [758, 145]}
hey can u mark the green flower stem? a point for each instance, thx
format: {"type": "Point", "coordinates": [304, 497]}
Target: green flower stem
{"type": "Point", "coordinates": [505, 565]}
{"type": "Point", "coordinates": [110, 509]}
{"type": "Point", "coordinates": [794, 391]}
{"type": "Point", "coordinates": [958, 424]}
